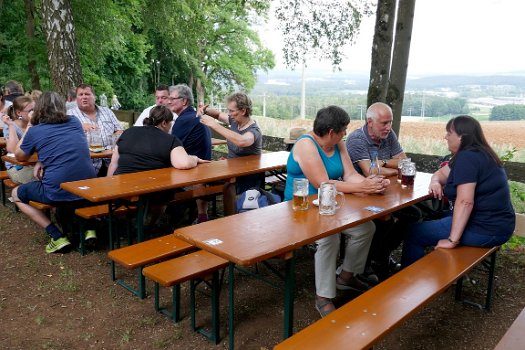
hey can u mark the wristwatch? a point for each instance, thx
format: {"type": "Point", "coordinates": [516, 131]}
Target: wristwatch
{"type": "Point", "coordinates": [384, 161]}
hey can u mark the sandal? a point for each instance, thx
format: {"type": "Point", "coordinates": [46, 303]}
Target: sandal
{"type": "Point", "coordinates": [320, 307]}
{"type": "Point", "coordinates": [353, 283]}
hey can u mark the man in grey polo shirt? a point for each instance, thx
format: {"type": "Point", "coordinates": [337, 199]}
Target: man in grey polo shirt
{"type": "Point", "coordinates": [377, 135]}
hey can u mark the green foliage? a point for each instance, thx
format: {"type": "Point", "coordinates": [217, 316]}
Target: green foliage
{"type": "Point", "coordinates": [508, 112]}
{"type": "Point", "coordinates": [320, 29]}
{"type": "Point", "coordinates": [517, 194]}
{"type": "Point", "coordinates": [508, 155]}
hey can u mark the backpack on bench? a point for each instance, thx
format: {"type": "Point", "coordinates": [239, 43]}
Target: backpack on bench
{"type": "Point", "coordinates": [255, 198]}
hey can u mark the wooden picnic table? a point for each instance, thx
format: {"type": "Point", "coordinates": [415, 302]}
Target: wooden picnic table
{"type": "Point", "coordinates": [142, 183]}
{"type": "Point", "coordinates": [247, 238]}
{"type": "Point", "coordinates": [10, 157]}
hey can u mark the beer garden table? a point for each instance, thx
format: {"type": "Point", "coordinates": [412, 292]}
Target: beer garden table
{"type": "Point", "coordinates": [247, 238]}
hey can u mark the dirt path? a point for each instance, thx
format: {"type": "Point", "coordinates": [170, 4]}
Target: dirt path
{"type": "Point", "coordinates": [69, 302]}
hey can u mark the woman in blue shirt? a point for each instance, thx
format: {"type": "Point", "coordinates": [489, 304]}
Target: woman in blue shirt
{"type": "Point", "coordinates": [475, 183]}
{"type": "Point", "coordinates": [321, 156]}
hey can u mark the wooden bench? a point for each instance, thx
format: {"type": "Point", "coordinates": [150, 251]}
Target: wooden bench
{"type": "Point", "coordinates": [365, 320]}
{"type": "Point", "coordinates": [172, 273]}
{"type": "Point", "coordinates": [141, 254]}
{"type": "Point", "coordinates": [3, 176]}
{"type": "Point", "coordinates": [99, 211]}
{"type": "Point", "coordinates": [514, 338]}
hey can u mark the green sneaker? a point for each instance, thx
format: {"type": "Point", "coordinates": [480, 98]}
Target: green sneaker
{"type": "Point", "coordinates": [90, 234]}
{"type": "Point", "coordinates": [55, 245]}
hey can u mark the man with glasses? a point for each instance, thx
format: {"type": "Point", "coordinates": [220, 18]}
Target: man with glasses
{"type": "Point", "coordinates": [161, 99]}
{"type": "Point", "coordinates": [195, 136]}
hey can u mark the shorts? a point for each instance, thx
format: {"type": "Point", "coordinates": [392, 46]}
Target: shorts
{"type": "Point", "coordinates": [34, 191]}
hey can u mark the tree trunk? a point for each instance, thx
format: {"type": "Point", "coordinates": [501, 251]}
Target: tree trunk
{"type": "Point", "coordinates": [62, 55]}
{"type": "Point", "coordinates": [200, 92]}
{"type": "Point", "coordinates": [381, 51]}
{"type": "Point", "coordinates": [398, 71]}
{"type": "Point", "coordinates": [29, 7]}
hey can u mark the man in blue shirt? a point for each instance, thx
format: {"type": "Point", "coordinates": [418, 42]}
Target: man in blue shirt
{"type": "Point", "coordinates": [195, 136]}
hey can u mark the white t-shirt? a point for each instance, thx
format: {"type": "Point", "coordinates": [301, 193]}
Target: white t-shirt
{"type": "Point", "coordinates": [145, 114]}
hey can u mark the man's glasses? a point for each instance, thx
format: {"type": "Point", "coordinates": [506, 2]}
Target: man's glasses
{"type": "Point", "coordinates": [232, 110]}
{"type": "Point", "coordinates": [175, 98]}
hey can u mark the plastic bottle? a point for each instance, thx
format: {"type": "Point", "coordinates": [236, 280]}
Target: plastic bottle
{"type": "Point", "coordinates": [374, 164]}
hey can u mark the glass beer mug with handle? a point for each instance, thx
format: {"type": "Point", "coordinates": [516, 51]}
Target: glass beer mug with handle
{"type": "Point", "coordinates": [328, 203]}
{"type": "Point", "coordinates": [408, 173]}
{"type": "Point", "coordinates": [95, 140]}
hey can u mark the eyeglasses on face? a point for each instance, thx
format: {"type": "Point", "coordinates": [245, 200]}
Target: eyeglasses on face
{"type": "Point", "coordinates": [175, 98]}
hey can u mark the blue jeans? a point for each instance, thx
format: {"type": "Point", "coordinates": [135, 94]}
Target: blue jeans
{"type": "Point", "coordinates": [427, 233]}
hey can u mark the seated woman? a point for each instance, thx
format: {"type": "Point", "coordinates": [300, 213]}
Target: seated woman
{"type": "Point", "coordinates": [321, 156]}
{"type": "Point", "coordinates": [63, 156]}
{"type": "Point", "coordinates": [151, 147]}
{"type": "Point", "coordinates": [475, 184]}
{"type": "Point", "coordinates": [16, 122]}
{"type": "Point", "coordinates": [244, 137]}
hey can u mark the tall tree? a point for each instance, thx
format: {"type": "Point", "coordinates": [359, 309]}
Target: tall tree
{"type": "Point", "coordinates": [29, 7]}
{"type": "Point", "coordinates": [381, 51]}
{"type": "Point", "coordinates": [63, 60]}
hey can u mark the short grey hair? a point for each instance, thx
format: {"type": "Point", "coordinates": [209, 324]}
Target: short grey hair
{"type": "Point", "coordinates": [184, 91]}
{"type": "Point", "coordinates": [376, 109]}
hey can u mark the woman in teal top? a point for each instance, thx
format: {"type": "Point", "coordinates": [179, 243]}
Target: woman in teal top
{"type": "Point", "coordinates": [321, 156]}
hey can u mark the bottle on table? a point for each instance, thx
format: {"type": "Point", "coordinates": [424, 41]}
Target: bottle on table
{"type": "Point", "coordinates": [374, 164]}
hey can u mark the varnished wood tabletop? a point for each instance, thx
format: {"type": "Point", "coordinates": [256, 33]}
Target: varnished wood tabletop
{"type": "Point", "coordinates": [258, 235]}
{"type": "Point", "coordinates": [3, 142]}
{"type": "Point", "coordinates": [10, 158]}
{"type": "Point", "coordinates": [135, 184]}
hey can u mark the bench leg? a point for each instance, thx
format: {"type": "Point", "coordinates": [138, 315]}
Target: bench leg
{"type": "Point", "coordinates": [289, 289]}
{"type": "Point", "coordinates": [174, 314]}
{"type": "Point", "coordinates": [491, 267]}
{"type": "Point", "coordinates": [231, 268]}
{"type": "Point", "coordinates": [81, 243]}
{"type": "Point", "coordinates": [213, 334]}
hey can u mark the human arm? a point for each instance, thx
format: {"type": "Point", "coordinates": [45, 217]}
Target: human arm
{"type": "Point", "coordinates": [10, 134]}
{"type": "Point", "coordinates": [240, 140]}
{"type": "Point", "coordinates": [181, 160]}
{"type": "Point", "coordinates": [353, 182]}
{"type": "Point", "coordinates": [38, 170]}
{"type": "Point", "coordinates": [20, 155]}
{"type": "Point", "coordinates": [438, 180]}
{"type": "Point", "coordinates": [113, 165]}
{"type": "Point", "coordinates": [212, 112]}
{"type": "Point", "coordinates": [462, 209]}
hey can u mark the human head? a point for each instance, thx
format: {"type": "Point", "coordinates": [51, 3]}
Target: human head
{"type": "Point", "coordinates": [85, 98]}
{"type": "Point", "coordinates": [162, 95]}
{"type": "Point", "coordinates": [71, 94]}
{"type": "Point", "coordinates": [13, 87]}
{"type": "Point", "coordinates": [158, 115]}
{"type": "Point", "coordinates": [180, 98]}
{"type": "Point", "coordinates": [379, 118]}
{"type": "Point", "coordinates": [239, 102]}
{"type": "Point", "coordinates": [465, 133]}
{"type": "Point", "coordinates": [50, 108]}
{"type": "Point", "coordinates": [21, 107]}
{"type": "Point", "coordinates": [330, 118]}
{"type": "Point", "coordinates": [35, 94]}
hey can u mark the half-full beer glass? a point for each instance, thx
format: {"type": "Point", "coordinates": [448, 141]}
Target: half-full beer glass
{"type": "Point", "coordinates": [300, 194]}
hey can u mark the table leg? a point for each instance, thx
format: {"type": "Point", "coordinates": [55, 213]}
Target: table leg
{"type": "Point", "coordinates": [229, 196]}
{"type": "Point", "coordinates": [231, 269]}
{"type": "Point", "coordinates": [289, 290]}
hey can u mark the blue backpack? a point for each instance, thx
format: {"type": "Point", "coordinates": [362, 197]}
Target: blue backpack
{"type": "Point", "coordinates": [255, 198]}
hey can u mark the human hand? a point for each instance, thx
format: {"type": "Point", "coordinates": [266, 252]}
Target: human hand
{"type": "Point", "coordinates": [207, 120]}
{"type": "Point", "coordinates": [375, 184]}
{"type": "Point", "coordinates": [445, 243]}
{"type": "Point", "coordinates": [6, 119]}
{"type": "Point", "coordinates": [38, 171]}
{"type": "Point", "coordinates": [201, 108]}
{"type": "Point", "coordinates": [200, 161]}
{"type": "Point", "coordinates": [436, 189]}
{"type": "Point", "coordinates": [88, 127]}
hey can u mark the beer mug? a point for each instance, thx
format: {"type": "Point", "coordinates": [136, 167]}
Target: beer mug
{"type": "Point", "coordinates": [327, 194]}
{"type": "Point", "coordinates": [95, 140]}
{"type": "Point", "coordinates": [408, 173]}
{"type": "Point", "coordinates": [300, 194]}
{"type": "Point", "coordinates": [400, 166]}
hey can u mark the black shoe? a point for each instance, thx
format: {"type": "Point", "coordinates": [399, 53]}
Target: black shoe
{"type": "Point", "coordinates": [393, 266]}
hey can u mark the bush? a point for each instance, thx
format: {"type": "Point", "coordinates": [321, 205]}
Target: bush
{"type": "Point", "coordinates": [508, 112]}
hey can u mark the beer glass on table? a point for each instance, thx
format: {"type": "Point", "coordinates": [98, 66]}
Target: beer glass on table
{"type": "Point", "coordinates": [408, 173]}
{"type": "Point", "coordinates": [328, 199]}
{"type": "Point", "coordinates": [300, 194]}
{"type": "Point", "coordinates": [400, 166]}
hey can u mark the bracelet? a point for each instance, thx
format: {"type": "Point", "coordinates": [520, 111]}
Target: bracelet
{"type": "Point", "coordinates": [451, 241]}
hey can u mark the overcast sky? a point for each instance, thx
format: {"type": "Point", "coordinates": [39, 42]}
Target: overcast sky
{"type": "Point", "coordinates": [448, 37]}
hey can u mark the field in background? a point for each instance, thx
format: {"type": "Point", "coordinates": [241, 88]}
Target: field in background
{"type": "Point", "coordinates": [425, 137]}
